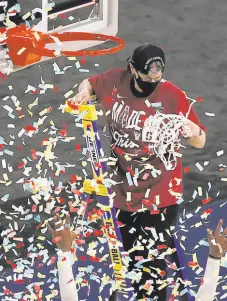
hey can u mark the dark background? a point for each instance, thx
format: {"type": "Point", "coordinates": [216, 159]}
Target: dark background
{"type": "Point", "coordinates": [193, 35]}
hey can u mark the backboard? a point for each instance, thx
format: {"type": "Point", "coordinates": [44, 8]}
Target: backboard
{"type": "Point", "coordinates": [96, 16]}
{"type": "Point", "coordinates": [50, 16]}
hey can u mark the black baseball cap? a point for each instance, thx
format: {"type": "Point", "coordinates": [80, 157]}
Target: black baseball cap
{"type": "Point", "coordinates": [145, 55]}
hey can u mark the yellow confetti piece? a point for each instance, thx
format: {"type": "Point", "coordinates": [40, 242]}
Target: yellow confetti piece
{"type": "Point", "coordinates": [41, 275]}
{"type": "Point", "coordinates": [50, 297]}
{"type": "Point", "coordinates": [69, 93]}
{"type": "Point", "coordinates": [127, 158]}
{"type": "Point", "coordinates": [139, 248]}
{"type": "Point", "coordinates": [162, 286]}
{"type": "Point", "coordinates": [37, 36]}
{"type": "Point", "coordinates": [41, 238]}
{"type": "Point", "coordinates": [84, 163]}
{"type": "Point", "coordinates": [5, 177]}
{"type": "Point", "coordinates": [49, 86]}
{"type": "Point", "coordinates": [27, 15]}
{"type": "Point", "coordinates": [146, 270]}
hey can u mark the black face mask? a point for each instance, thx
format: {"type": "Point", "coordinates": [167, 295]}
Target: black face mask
{"type": "Point", "coordinates": [146, 87]}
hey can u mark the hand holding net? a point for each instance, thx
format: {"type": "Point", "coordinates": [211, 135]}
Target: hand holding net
{"type": "Point", "coordinates": [162, 132]}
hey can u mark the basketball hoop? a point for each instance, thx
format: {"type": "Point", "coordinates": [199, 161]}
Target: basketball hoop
{"type": "Point", "coordinates": [27, 46]}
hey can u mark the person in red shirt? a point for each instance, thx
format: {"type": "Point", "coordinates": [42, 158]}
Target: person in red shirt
{"type": "Point", "coordinates": [146, 194]}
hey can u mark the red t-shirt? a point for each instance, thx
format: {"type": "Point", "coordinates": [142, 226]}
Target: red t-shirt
{"type": "Point", "coordinates": [126, 115]}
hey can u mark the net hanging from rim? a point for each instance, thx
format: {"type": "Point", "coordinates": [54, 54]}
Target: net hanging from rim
{"type": "Point", "coordinates": [162, 133]}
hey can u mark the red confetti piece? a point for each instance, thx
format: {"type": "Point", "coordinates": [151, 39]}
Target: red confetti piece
{"type": "Point", "coordinates": [19, 281]}
{"type": "Point", "coordinates": [154, 211]}
{"type": "Point", "coordinates": [108, 99]}
{"type": "Point", "coordinates": [34, 92]}
{"type": "Point", "coordinates": [73, 178]}
{"type": "Point", "coordinates": [72, 106]}
{"type": "Point", "coordinates": [162, 273]}
{"type": "Point", "coordinates": [88, 234]}
{"type": "Point", "coordinates": [192, 264]}
{"type": "Point", "coordinates": [71, 208]}
{"type": "Point", "coordinates": [56, 239]}
{"type": "Point", "coordinates": [114, 91]}
{"type": "Point", "coordinates": [94, 259]}
{"type": "Point", "coordinates": [1, 146]}
{"type": "Point", "coordinates": [118, 150]}
{"type": "Point", "coordinates": [199, 99]}
{"type": "Point", "coordinates": [29, 128]}
{"type": "Point", "coordinates": [63, 16]}
{"type": "Point", "coordinates": [83, 258]}
{"type": "Point", "coordinates": [80, 241]}
{"type": "Point", "coordinates": [112, 236]}
{"type": "Point", "coordinates": [83, 61]}
{"type": "Point", "coordinates": [33, 151]}
{"type": "Point", "coordinates": [20, 245]}
{"type": "Point", "coordinates": [186, 169]}
{"type": "Point", "coordinates": [61, 200]}
{"type": "Point", "coordinates": [63, 132]}
{"type": "Point", "coordinates": [98, 233]}
{"type": "Point", "coordinates": [21, 165]}
{"type": "Point", "coordinates": [20, 113]}
{"type": "Point", "coordinates": [161, 247]}
{"type": "Point", "coordinates": [19, 148]}
{"type": "Point", "coordinates": [56, 89]}
{"type": "Point", "coordinates": [3, 75]}
{"type": "Point", "coordinates": [52, 261]}
{"type": "Point", "coordinates": [146, 148]}
{"type": "Point", "coordinates": [206, 201]}
{"type": "Point", "coordinates": [34, 208]}
{"type": "Point", "coordinates": [44, 140]}
{"type": "Point", "coordinates": [131, 171]}
{"type": "Point", "coordinates": [120, 224]}
{"type": "Point", "coordinates": [99, 165]}
{"type": "Point", "coordinates": [147, 202]}
{"type": "Point", "coordinates": [78, 147]}
{"type": "Point", "coordinates": [77, 192]}
{"type": "Point", "coordinates": [208, 211]}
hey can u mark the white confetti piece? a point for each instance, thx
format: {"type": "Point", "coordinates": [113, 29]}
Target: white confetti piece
{"type": "Point", "coordinates": [199, 166]}
{"type": "Point", "coordinates": [219, 153]}
{"type": "Point", "coordinates": [200, 191]}
{"type": "Point", "coordinates": [77, 64]}
{"type": "Point", "coordinates": [210, 114]}
{"type": "Point", "coordinates": [84, 70]}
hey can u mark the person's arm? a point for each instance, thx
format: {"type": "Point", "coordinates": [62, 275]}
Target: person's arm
{"type": "Point", "coordinates": [208, 288]}
{"type": "Point", "coordinates": [67, 284]}
{"type": "Point", "coordinates": [217, 249]}
{"type": "Point", "coordinates": [66, 246]}
{"type": "Point", "coordinates": [198, 138]}
{"type": "Point", "coordinates": [86, 86]}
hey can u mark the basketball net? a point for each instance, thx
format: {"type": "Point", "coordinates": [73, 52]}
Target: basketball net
{"type": "Point", "coordinates": [162, 132]}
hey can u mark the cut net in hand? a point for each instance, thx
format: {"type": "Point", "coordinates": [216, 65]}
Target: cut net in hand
{"type": "Point", "coordinates": [162, 132]}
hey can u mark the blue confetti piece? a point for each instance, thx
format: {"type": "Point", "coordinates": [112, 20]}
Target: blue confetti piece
{"type": "Point", "coordinates": [37, 218]}
{"type": "Point", "coordinates": [129, 179]}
